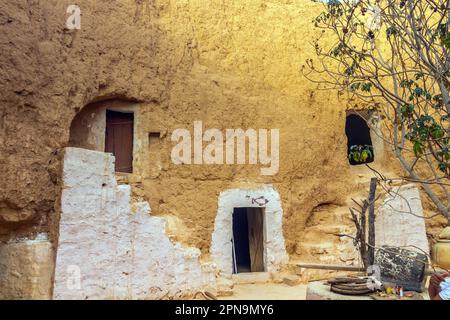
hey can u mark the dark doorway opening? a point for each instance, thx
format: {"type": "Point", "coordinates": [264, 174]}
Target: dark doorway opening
{"type": "Point", "coordinates": [119, 139]}
{"type": "Point", "coordinates": [248, 240]}
{"type": "Point", "coordinates": [359, 142]}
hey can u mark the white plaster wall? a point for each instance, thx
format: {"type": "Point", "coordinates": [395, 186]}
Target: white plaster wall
{"type": "Point", "coordinates": [376, 135]}
{"type": "Point", "coordinates": [399, 220]}
{"type": "Point", "coordinates": [111, 252]}
{"type": "Point", "coordinates": [274, 248]}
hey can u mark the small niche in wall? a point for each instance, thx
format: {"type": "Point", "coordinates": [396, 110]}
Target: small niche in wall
{"type": "Point", "coordinates": [154, 137]}
{"type": "Point", "coordinates": [154, 150]}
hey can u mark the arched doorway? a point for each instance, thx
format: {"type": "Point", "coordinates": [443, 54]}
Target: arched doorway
{"type": "Point", "coordinates": [107, 126]}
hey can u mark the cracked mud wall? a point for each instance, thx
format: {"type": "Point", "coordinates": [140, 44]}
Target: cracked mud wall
{"type": "Point", "coordinates": [228, 64]}
{"type": "Point", "coordinates": [233, 64]}
{"type": "Point", "coordinates": [26, 269]}
{"type": "Point", "coordinates": [47, 75]}
{"type": "Point", "coordinates": [245, 73]}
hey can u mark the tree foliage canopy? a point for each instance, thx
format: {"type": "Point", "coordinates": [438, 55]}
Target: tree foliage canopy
{"type": "Point", "coordinates": [394, 56]}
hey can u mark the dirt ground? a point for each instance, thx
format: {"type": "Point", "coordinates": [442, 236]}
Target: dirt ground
{"type": "Point", "coordinates": [267, 291]}
{"type": "Point", "coordinates": [275, 291]}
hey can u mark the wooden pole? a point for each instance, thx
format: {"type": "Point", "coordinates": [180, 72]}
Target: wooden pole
{"type": "Point", "coordinates": [337, 267]}
{"type": "Point", "coordinates": [235, 270]}
{"type": "Point", "coordinates": [363, 246]}
{"type": "Point", "coordinates": [371, 221]}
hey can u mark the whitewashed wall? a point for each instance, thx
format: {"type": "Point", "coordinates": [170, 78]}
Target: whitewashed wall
{"type": "Point", "coordinates": [107, 252]}
{"type": "Point", "coordinates": [399, 220]}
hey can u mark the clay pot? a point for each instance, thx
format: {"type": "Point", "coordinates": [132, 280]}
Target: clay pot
{"type": "Point", "coordinates": [441, 250]}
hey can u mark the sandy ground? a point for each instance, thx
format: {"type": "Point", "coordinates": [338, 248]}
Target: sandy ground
{"type": "Point", "coordinates": [274, 291]}
{"type": "Point", "coordinates": [267, 291]}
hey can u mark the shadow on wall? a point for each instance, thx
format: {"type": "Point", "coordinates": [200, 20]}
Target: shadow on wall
{"type": "Point", "coordinates": [88, 127]}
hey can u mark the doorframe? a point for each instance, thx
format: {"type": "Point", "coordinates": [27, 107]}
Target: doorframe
{"type": "Point", "coordinates": [125, 107]}
{"type": "Point", "coordinates": [133, 138]}
{"type": "Point", "coordinates": [263, 212]}
{"type": "Point", "coordinates": [266, 197]}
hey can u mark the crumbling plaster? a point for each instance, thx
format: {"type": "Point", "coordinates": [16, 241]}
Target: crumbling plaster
{"type": "Point", "coordinates": [110, 248]}
{"type": "Point", "coordinates": [228, 64]}
{"type": "Point", "coordinates": [26, 268]}
{"type": "Point", "coordinates": [400, 220]}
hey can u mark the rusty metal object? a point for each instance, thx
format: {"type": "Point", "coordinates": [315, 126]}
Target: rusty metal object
{"type": "Point", "coordinates": [405, 268]}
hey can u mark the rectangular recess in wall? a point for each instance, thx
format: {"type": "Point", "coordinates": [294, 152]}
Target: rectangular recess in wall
{"type": "Point", "coordinates": [155, 150]}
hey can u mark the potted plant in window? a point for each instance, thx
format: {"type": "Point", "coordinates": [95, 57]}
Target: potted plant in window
{"type": "Point", "coordinates": [360, 153]}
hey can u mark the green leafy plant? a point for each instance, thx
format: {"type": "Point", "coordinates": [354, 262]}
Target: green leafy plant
{"type": "Point", "coordinates": [400, 67]}
{"type": "Point", "coordinates": [361, 153]}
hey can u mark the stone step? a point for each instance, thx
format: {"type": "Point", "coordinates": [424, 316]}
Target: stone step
{"type": "Point", "coordinates": [329, 229]}
{"type": "Point", "coordinates": [318, 248]}
{"type": "Point", "coordinates": [251, 277]}
{"type": "Point", "coordinates": [333, 217]}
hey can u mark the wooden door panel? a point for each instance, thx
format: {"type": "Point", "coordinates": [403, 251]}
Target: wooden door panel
{"type": "Point", "coordinates": [255, 218]}
{"type": "Point", "coordinates": [119, 139]}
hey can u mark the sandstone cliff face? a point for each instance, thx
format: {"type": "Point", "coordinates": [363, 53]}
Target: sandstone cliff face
{"type": "Point", "coordinates": [47, 75]}
{"type": "Point", "coordinates": [233, 64]}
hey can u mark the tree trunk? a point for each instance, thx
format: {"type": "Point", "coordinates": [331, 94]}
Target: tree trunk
{"type": "Point", "coordinates": [431, 194]}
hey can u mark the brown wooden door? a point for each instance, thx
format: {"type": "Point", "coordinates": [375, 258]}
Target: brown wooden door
{"type": "Point", "coordinates": [119, 139]}
{"type": "Point", "coordinates": [255, 218]}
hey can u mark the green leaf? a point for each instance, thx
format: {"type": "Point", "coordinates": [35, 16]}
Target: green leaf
{"type": "Point", "coordinates": [442, 166]}
{"type": "Point", "coordinates": [366, 87]}
{"type": "Point", "coordinates": [364, 156]}
{"type": "Point", "coordinates": [355, 86]}
{"type": "Point", "coordinates": [437, 132]}
{"type": "Point", "coordinates": [417, 148]}
{"type": "Point", "coordinates": [418, 91]}
{"type": "Point", "coordinates": [407, 109]}
{"type": "Point", "coordinates": [446, 41]}
{"type": "Point", "coordinates": [349, 71]}
{"type": "Point", "coordinates": [406, 83]}
{"type": "Point", "coordinates": [391, 31]}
